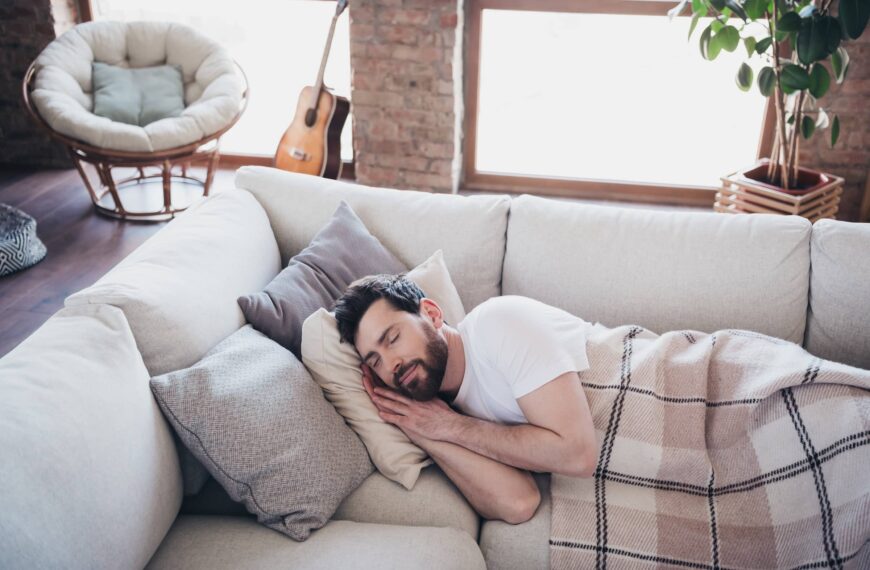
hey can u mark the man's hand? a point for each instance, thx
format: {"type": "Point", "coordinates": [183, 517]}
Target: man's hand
{"type": "Point", "coordinates": [430, 420]}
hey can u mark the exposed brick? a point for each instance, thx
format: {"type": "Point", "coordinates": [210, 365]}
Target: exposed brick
{"type": "Point", "coordinates": [27, 27]}
{"type": "Point", "coordinates": [403, 92]}
{"type": "Point", "coordinates": [403, 16]}
{"type": "Point", "coordinates": [423, 55]}
{"type": "Point", "coordinates": [449, 20]}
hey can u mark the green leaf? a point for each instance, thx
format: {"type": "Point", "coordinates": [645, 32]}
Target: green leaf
{"type": "Point", "coordinates": [766, 81]}
{"type": "Point", "coordinates": [835, 130]}
{"type": "Point", "coordinates": [822, 120]}
{"type": "Point", "coordinates": [789, 22]}
{"type": "Point", "coordinates": [749, 42]}
{"type": "Point", "coordinates": [807, 126]}
{"type": "Point", "coordinates": [716, 25]}
{"type": "Point", "coordinates": [854, 14]}
{"type": "Point", "coordinates": [763, 44]}
{"type": "Point", "coordinates": [755, 8]}
{"type": "Point", "coordinates": [820, 81]}
{"type": "Point", "coordinates": [736, 8]}
{"type": "Point", "coordinates": [728, 38]}
{"type": "Point", "coordinates": [794, 78]}
{"type": "Point", "coordinates": [835, 35]}
{"type": "Point", "coordinates": [718, 4]}
{"type": "Point", "coordinates": [840, 63]}
{"type": "Point", "coordinates": [704, 43]}
{"type": "Point", "coordinates": [744, 77]}
{"type": "Point", "coordinates": [697, 5]}
{"type": "Point", "coordinates": [695, 18]}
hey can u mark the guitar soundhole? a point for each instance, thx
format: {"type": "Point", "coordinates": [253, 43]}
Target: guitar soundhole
{"type": "Point", "coordinates": [310, 117]}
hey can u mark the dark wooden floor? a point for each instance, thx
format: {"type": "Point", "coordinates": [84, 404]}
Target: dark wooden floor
{"type": "Point", "coordinates": [82, 246]}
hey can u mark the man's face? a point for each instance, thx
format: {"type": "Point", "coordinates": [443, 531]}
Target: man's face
{"type": "Point", "coordinates": [405, 350]}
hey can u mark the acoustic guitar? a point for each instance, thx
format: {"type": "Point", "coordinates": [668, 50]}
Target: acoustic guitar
{"type": "Point", "coordinates": [312, 142]}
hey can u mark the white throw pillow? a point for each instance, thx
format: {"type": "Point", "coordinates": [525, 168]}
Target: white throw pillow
{"type": "Point", "coordinates": [335, 366]}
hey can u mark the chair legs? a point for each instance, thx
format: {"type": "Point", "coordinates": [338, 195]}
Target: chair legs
{"type": "Point", "coordinates": [132, 188]}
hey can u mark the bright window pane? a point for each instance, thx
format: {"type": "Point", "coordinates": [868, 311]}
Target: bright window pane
{"type": "Point", "coordinates": [278, 44]}
{"type": "Point", "coordinates": [615, 97]}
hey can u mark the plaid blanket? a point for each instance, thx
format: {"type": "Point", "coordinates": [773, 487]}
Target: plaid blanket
{"type": "Point", "coordinates": [723, 450]}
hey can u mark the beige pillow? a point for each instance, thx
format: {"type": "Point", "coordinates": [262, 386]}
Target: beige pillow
{"type": "Point", "coordinates": [335, 366]}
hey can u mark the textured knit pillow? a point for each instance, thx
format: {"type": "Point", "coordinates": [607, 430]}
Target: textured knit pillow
{"type": "Point", "coordinates": [251, 414]}
{"type": "Point", "coordinates": [340, 253]}
{"type": "Point", "coordinates": [336, 367]}
{"type": "Point", "coordinates": [137, 96]}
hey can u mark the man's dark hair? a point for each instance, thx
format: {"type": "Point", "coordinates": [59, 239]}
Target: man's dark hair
{"type": "Point", "coordinates": [402, 293]}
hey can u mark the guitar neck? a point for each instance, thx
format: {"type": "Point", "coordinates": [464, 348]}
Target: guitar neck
{"type": "Point", "coordinates": [318, 85]}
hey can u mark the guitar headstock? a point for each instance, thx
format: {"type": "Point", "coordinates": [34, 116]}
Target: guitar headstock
{"type": "Point", "coordinates": [339, 8]}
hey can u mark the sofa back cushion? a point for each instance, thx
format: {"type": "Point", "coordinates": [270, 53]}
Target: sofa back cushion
{"type": "Point", "coordinates": [661, 270]}
{"type": "Point", "coordinates": [179, 289]}
{"type": "Point", "coordinates": [469, 229]}
{"type": "Point", "coordinates": [89, 470]}
{"type": "Point", "coordinates": [838, 323]}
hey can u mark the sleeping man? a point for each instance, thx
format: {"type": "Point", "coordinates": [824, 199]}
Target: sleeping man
{"type": "Point", "coordinates": [509, 371]}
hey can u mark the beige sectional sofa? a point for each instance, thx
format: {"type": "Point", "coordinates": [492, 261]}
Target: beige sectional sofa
{"type": "Point", "coordinates": [90, 473]}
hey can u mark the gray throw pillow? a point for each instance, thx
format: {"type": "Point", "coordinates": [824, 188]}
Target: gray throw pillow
{"type": "Point", "coordinates": [137, 96]}
{"type": "Point", "coordinates": [253, 416]}
{"type": "Point", "coordinates": [342, 252]}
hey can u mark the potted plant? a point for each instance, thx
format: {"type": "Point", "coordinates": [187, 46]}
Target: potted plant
{"type": "Point", "coordinates": [798, 37]}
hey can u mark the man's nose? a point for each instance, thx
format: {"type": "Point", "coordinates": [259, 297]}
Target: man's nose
{"type": "Point", "coordinates": [397, 365]}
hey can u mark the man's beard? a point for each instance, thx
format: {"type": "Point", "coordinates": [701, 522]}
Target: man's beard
{"type": "Point", "coordinates": [425, 387]}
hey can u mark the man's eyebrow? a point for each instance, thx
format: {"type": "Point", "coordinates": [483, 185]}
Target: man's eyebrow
{"type": "Point", "coordinates": [380, 342]}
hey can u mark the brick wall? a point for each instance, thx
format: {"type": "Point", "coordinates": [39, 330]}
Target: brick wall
{"type": "Point", "coordinates": [850, 158]}
{"type": "Point", "coordinates": [27, 26]}
{"type": "Point", "coordinates": [404, 92]}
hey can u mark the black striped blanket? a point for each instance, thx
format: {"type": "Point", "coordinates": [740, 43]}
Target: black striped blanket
{"type": "Point", "coordinates": [723, 450]}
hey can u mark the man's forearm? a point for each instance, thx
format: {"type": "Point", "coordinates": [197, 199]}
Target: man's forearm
{"type": "Point", "coordinates": [524, 446]}
{"type": "Point", "coordinates": [495, 490]}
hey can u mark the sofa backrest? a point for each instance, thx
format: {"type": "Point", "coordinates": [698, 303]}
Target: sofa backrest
{"type": "Point", "coordinates": [90, 476]}
{"type": "Point", "coordinates": [659, 269]}
{"type": "Point", "coordinates": [179, 289]}
{"type": "Point", "coordinates": [413, 225]}
{"type": "Point", "coordinates": [838, 322]}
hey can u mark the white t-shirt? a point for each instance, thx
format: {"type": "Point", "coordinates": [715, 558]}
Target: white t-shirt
{"type": "Point", "coordinates": [513, 346]}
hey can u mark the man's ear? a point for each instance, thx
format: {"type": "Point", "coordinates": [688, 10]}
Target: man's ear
{"type": "Point", "coordinates": [429, 309]}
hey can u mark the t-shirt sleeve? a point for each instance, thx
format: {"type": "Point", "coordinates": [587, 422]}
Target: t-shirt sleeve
{"type": "Point", "coordinates": [527, 347]}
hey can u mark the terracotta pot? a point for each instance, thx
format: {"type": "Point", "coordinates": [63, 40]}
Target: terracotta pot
{"type": "Point", "coordinates": [807, 181]}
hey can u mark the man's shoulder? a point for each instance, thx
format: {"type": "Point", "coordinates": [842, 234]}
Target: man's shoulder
{"type": "Point", "coordinates": [506, 305]}
{"type": "Point", "coordinates": [504, 315]}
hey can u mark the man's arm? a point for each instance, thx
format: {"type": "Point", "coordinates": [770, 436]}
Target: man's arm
{"type": "Point", "coordinates": [559, 438]}
{"type": "Point", "coordinates": [494, 490]}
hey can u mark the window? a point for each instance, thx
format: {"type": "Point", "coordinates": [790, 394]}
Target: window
{"type": "Point", "coordinates": [279, 45]}
{"type": "Point", "coordinates": [602, 98]}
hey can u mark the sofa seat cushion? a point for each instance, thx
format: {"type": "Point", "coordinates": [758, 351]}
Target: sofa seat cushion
{"type": "Point", "coordinates": [522, 546]}
{"type": "Point", "coordinates": [434, 501]}
{"type": "Point", "coordinates": [838, 326]}
{"type": "Point", "coordinates": [661, 270]}
{"type": "Point", "coordinates": [227, 542]}
{"type": "Point", "coordinates": [469, 229]}
{"type": "Point", "coordinates": [90, 478]}
{"type": "Point", "coordinates": [179, 289]}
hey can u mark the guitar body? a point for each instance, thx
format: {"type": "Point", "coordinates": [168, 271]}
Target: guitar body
{"type": "Point", "coordinates": [314, 149]}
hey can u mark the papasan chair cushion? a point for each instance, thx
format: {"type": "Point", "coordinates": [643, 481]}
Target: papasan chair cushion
{"type": "Point", "coordinates": [63, 88]}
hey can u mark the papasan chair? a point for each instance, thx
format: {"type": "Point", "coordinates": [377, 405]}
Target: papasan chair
{"type": "Point", "coordinates": [58, 92]}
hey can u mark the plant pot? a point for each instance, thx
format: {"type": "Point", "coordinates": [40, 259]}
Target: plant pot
{"type": "Point", "coordinates": [747, 191]}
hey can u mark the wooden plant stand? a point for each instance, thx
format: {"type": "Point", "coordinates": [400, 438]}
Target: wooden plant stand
{"type": "Point", "coordinates": [739, 195]}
